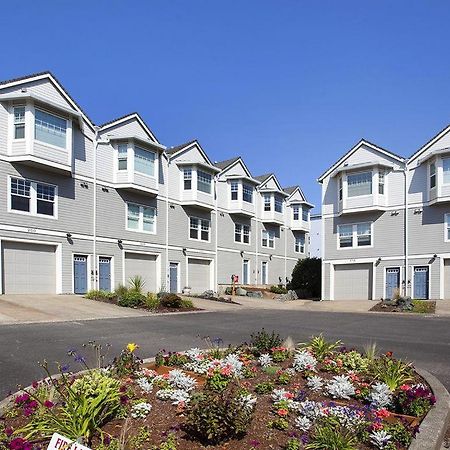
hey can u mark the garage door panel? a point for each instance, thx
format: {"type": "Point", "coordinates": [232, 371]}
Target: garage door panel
{"type": "Point", "coordinates": [353, 282]}
{"type": "Point", "coordinates": [199, 275]}
{"type": "Point", "coordinates": [28, 268]}
{"type": "Point", "coordinates": [143, 265]}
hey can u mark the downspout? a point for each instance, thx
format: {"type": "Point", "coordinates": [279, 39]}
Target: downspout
{"type": "Point", "coordinates": [167, 271]}
{"type": "Point", "coordinates": [94, 246]}
{"type": "Point", "coordinates": [216, 262]}
{"type": "Point", "coordinates": [405, 231]}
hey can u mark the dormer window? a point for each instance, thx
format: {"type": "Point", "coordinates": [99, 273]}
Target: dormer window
{"type": "Point", "coordinates": [305, 214]}
{"type": "Point", "coordinates": [340, 189]}
{"type": "Point", "coordinates": [247, 193]}
{"type": "Point", "coordinates": [50, 129]}
{"type": "Point", "coordinates": [19, 122]}
{"type": "Point", "coordinates": [381, 182]}
{"type": "Point", "coordinates": [144, 161]}
{"type": "Point", "coordinates": [278, 204]}
{"type": "Point", "coordinates": [432, 175]}
{"type": "Point", "coordinates": [122, 156]}
{"type": "Point", "coordinates": [187, 179]}
{"type": "Point", "coordinates": [359, 184]}
{"type": "Point", "coordinates": [204, 181]}
{"type": "Point", "coordinates": [234, 190]}
{"type": "Point", "coordinates": [267, 202]}
{"type": "Point", "coordinates": [446, 170]}
{"type": "Point", "coordinates": [296, 210]}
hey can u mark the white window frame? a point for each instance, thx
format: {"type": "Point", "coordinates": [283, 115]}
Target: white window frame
{"type": "Point", "coordinates": [268, 236]}
{"type": "Point", "coordinates": [199, 229]}
{"type": "Point", "coordinates": [248, 187]}
{"type": "Point", "coordinates": [381, 182]}
{"type": "Point", "coordinates": [122, 158]}
{"type": "Point", "coordinates": [33, 198]}
{"type": "Point", "coordinates": [155, 161]}
{"type": "Point", "coordinates": [431, 175]}
{"type": "Point", "coordinates": [340, 189]}
{"type": "Point", "coordinates": [359, 173]}
{"type": "Point", "coordinates": [355, 236]}
{"type": "Point", "coordinates": [140, 228]}
{"type": "Point", "coordinates": [299, 246]}
{"type": "Point", "coordinates": [187, 176]}
{"type": "Point", "coordinates": [296, 212]}
{"type": "Point", "coordinates": [305, 214]}
{"type": "Point", "coordinates": [243, 228]}
{"type": "Point", "coordinates": [443, 172]}
{"type": "Point", "coordinates": [21, 123]}
{"type": "Point", "coordinates": [199, 171]}
{"type": "Point", "coordinates": [68, 127]}
{"type": "Point", "coordinates": [267, 201]}
{"type": "Point", "coordinates": [234, 189]}
{"type": "Point", "coordinates": [446, 227]}
{"type": "Point", "coordinates": [277, 199]}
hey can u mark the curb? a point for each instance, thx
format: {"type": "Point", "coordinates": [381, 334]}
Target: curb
{"type": "Point", "coordinates": [432, 428]}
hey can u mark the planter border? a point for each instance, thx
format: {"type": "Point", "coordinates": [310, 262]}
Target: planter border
{"type": "Point", "coordinates": [432, 428]}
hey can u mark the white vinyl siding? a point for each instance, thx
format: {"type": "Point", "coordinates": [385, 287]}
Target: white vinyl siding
{"type": "Point", "coordinates": [19, 122]}
{"type": "Point", "coordinates": [141, 218]}
{"type": "Point", "coordinates": [204, 182]}
{"type": "Point", "coordinates": [144, 161]}
{"type": "Point", "coordinates": [242, 233]}
{"type": "Point", "coordinates": [199, 229]}
{"type": "Point", "coordinates": [268, 238]}
{"type": "Point", "coordinates": [359, 184]}
{"type": "Point", "coordinates": [50, 129]}
{"type": "Point", "coordinates": [32, 197]}
{"type": "Point", "coordinates": [355, 235]}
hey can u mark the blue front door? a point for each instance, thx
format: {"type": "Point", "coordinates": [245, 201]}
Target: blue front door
{"type": "Point", "coordinates": [173, 277]}
{"type": "Point", "coordinates": [421, 282]}
{"type": "Point", "coordinates": [104, 272]}
{"type": "Point", "coordinates": [392, 281]}
{"type": "Point", "coordinates": [80, 274]}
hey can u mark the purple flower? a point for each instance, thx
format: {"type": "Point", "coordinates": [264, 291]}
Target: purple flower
{"type": "Point", "coordinates": [254, 443]}
{"type": "Point", "coordinates": [304, 438]}
{"type": "Point", "coordinates": [22, 399]}
{"type": "Point", "coordinates": [65, 368]}
{"type": "Point", "coordinates": [20, 444]}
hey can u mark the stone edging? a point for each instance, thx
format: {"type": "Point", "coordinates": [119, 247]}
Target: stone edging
{"type": "Point", "coordinates": [432, 428]}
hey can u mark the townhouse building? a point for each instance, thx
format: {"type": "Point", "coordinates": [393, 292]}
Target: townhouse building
{"type": "Point", "coordinates": [89, 206]}
{"type": "Point", "coordinates": [386, 222]}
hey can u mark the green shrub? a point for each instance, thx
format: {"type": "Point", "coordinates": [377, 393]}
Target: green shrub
{"type": "Point", "coordinates": [320, 347]}
{"type": "Point", "coordinates": [353, 360]}
{"type": "Point", "coordinates": [279, 424]}
{"type": "Point", "coordinates": [131, 299]}
{"type": "Point", "coordinates": [399, 433]}
{"type": "Point", "coordinates": [278, 289]}
{"type": "Point", "coordinates": [307, 277]}
{"type": "Point", "coordinates": [264, 388]}
{"type": "Point", "coordinates": [332, 437]}
{"type": "Point", "coordinates": [423, 306]}
{"type": "Point", "coordinates": [292, 444]}
{"type": "Point", "coordinates": [185, 303]}
{"type": "Point", "coordinates": [120, 290]}
{"type": "Point", "coordinates": [171, 301]}
{"type": "Point", "coordinates": [215, 417]}
{"type": "Point", "coordinates": [390, 371]}
{"type": "Point", "coordinates": [263, 342]}
{"type": "Point", "coordinates": [98, 294]}
{"type": "Point", "coordinates": [151, 301]}
{"type": "Point", "coordinates": [137, 283]}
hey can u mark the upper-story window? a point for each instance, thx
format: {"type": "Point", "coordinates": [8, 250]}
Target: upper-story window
{"type": "Point", "coordinates": [247, 193]}
{"type": "Point", "coordinates": [50, 129]}
{"type": "Point", "coordinates": [381, 175]}
{"type": "Point", "coordinates": [267, 202]}
{"type": "Point", "coordinates": [300, 244]}
{"type": "Point", "coordinates": [278, 204]}
{"type": "Point", "coordinates": [32, 197]}
{"type": "Point", "coordinates": [122, 150]}
{"type": "Point", "coordinates": [241, 233]}
{"type": "Point", "coordinates": [305, 214]}
{"type": "Point", "coordinates": [19, 122]}
{"type": "Point", "coordinates": [144, 161]}
{"type": "Point", "coordinates": [296, 212]}
{"type": "Point", "coordinates": [447, 227]}
{"type": "Point", "coordinates": [234, 190]}
{"type": "Point", "coordinates": [359, 184]}
{"type": "Point", "coordinates": [204, 181]}
{"type": "Point", "coordinates": [268, 238]}
{"type": "Point", "coordinates": [446, 170]}
{"type": "Point", "coordinates": [432, 175]}
{"type": "Point", "coordinates": [141, 218]}
{"type": "Point", "coordinates": [355, 235]}
{"type": "Point", "coordinates": [199, 229]}
{"type": "Point", "coordinates": [340, 189]}
{"type": "Point", "coordinates": [187, 179]}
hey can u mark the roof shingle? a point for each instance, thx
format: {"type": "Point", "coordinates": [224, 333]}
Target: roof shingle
{"type": "Point", "coordinates": [227, 162]}
{"type": "Point", "coordinates": [175, 149]}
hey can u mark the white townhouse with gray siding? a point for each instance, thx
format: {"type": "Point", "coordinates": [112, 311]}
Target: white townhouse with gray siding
{"type": "Point", "coordinates": [89, 206]}
{"type": "Point", "coordinates": [386, 223]}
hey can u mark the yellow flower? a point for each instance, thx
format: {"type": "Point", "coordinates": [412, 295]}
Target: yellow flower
{"type": "Point", "coordinates": [131, 347]}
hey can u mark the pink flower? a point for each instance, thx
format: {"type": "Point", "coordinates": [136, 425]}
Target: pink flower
{"type": "Point", "coordinates": [405, 387]}
{"type": "Point", "coordinates": [377, 426]}
{"type": "Point", "coordinates": [48, 404]}
{"type": "Point", "coordinates": [288, 395]}
{"type": "Point", "coordinates": [282, 412]}
{"type": "Point", "coordinates": [382, 413]}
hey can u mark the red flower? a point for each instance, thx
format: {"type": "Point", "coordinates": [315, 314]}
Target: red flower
{"type": "Point", "coordinates": [382, 413]}
{"type": "Point", "coordinates": [389, 354]}
{"type": "Point", "coordinates": [405, 387]}
{"type": "Point", "coordinates": [282, 412]}
{"type": "Point", "coordinates": [377, 426]}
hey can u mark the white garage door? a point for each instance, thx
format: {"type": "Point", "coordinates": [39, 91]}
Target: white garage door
{"type": "Point", "coordinates": [144, 266]}
{"type": "Point", "coordinates": [353, 282]}
{"type": "Point", "coordinates": [199, 275]}
{"type": "Point", "coordinates": [28, 268]}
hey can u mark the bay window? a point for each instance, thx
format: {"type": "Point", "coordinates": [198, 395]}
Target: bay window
{"type": "Point", "coordinates": [447, 227]}
{"type": "Point", "coordinates": [187, 179]}
{"type": "Point", "coordinates": [355, 235]}
{"type": "Point", "coordinates": [199, 229]}
{"type": "Point", "coordinates": [32, 197]}
{"type": "Point", "coordinates": [305, 214]}
{"type": "Point", "coordinates": [268, 238]}
{"type": "Point", "coordinates": [446, 170]}
{"type": "Point", "coordinates": [122, 155]}
{"type": "Point", "coordinates": [296, 212]}
{"type": "Point", "coordinates": [144, 161]}
{"type": "Point", "coordinates": [234, 190]}
{"type": "Point", "coordinates": [381, 182]}
{"type": "Point", "coordinates": [141, 218]}
{"type": "Point", "coordinates": [204, 181]}
{"type": "Point", "coordinates": [278, 204]}
{"type": "Point", "coordinates": [247, 193]}
{"type": "Point", "coordinates": [300, 244]}
{"type": "Point", "coordinates": [267, 202]}
{"type": "Point", "coordinates": [359, 184]}
{"type": "Point", "coordinates": [50, 129]}
{"type": "Point", "coordinates": [19, 122]}
{"type": "Point", "coordinates": [432, 175]}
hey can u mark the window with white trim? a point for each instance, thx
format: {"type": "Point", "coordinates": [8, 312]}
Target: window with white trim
{"type": "Point", "coordinates": [296, 212]}
{"type": "Point", "coordinates": [300, 244]}
{"type": "Point", "coordinates": [355, 235]}
{"type": "Point", "coordinates": [268, 238]}
{"type": "Point", "coordinates": [267, 202]}
{"type": "Point", "coordinates": [141, 218]}
{"type": "Point", "coordinates": [241, 233]}
{"type": "Point", "coordinates": [359, 184]}
{"type": "Point", "coordinates": [234, 186]}
{"type": "Point", "coordinates": [305, 214]}
{"type": "Point", "coordinates": [247, 193]}
{"type": "Point", "coordinates": [50, 129]}
{"type": "Point", "coordinates": [199, 229]}
{"type": "Point", "coordinates": [32, 197]}
{"type": "Point", "coordinates": [122, 156]}
{"type": "Point", "coordinates": [278, 204]}
{"type": "Point", "coordinates": [144, 161]}
{"type": "Point", "coordinates": [204, 181]}
{"type": "Point", "coordinates": [381, 175]}
{"type": "Point", "coordinates": [447, 227]}
{"type": "Point", "coordinates": [432, 175]}
{"type": "Point", "coordinates": [19, 122]}
{"type": "Point", "coordinates": [340, 189]}
{"type": "Point", "coordinates": [187, 178]}
{"type": "Point", "coordinates": [446, 170]}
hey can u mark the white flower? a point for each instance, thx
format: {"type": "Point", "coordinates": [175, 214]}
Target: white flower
{"type": "Point", "coordinates": [176, 395]}
{"type": "Point", "coordinates": [179, 380]}
{"type": "Point", "coordinates": [248, 402]}
{"type": "Point", "coordinates": [380, 396]}
{"type": "Point", "coordinates": [279, 394]}
{"type": "Point", "coordinates": [144, 384]}
{"type": "Point", "coordinates": [310, 409]}
{"type": "Point", "coordinates": [232, 360]}
{"type": "Point", "coordinates": [303, 360]}
{"type": "Point", "coordinates": [303, 423]}
{"type": "Point", "coordinates": [340, 387]}
{"type": "Point", "coordinates": [290, 371]}
{"type": "Point", "coordinates": [140, 410]}
{"type": "Point", "coordinates": [315, 383]}
{"type": "Point", "coordinates": [380, 439]}
{"type": "Point", "coordinates": [194, 354]}
{"type": "Point", "coordinates": [265, 360]}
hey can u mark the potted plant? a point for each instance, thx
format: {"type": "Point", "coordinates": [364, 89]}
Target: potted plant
{"type": "Point", "coordinates": [186, 290]}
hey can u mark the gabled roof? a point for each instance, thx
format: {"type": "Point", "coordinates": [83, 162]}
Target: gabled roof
{"type": "Point", "coordinates": [354, 149]}
{"type": "Point", "coordinates": [265, 178]}
{"type": "Point", "coordinates": [56, 83]}
{"type": "Point", "coordinates": [227, 162]}
{"type": "Point", "coordinates": [173, 151]}
{"type": "Point", "coordinates": [291, 189]}
{"type": "Point", "coordinates": [428, 144]}
{"type": "Point", "coordinates": [177, 148]}
{"type": "Point", "coordinates": [135, 116]}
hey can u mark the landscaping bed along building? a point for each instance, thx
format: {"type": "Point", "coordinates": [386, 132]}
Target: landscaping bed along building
{"type": "Point", "coordinates": [267, 394]}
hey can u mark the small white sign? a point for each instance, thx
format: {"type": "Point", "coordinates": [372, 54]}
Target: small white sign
{"type": "Point", "coordinates": [59, 442]}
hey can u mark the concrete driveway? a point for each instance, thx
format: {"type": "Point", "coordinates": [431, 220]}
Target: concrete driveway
{"type": "Point", "coordinates": [16, 309]}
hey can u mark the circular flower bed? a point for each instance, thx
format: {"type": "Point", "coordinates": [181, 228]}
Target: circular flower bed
{"type": "Point", "coordinates": [262, 395]}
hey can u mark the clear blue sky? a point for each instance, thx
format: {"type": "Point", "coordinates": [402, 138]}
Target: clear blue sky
{"type": "Point", "coordinates": [289, 85]}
